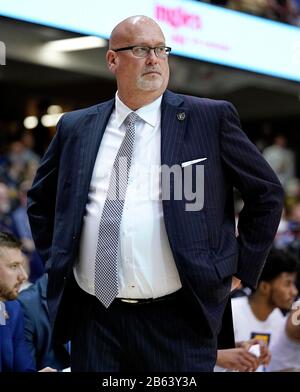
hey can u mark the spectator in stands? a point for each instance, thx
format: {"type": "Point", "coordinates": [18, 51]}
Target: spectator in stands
{"type": "Point", "coordinates": [295, 215]}
{"type": "Point", "coordinates": [15, 164]}
{"type": "Point", "coordinates": [258, 316]}
{"type": "Point", "coordinates": [284, 235]}
{"type": "Point", "coordinates": [254, 7]}
{"type": "Point", "coordinates": [28, 153]}
{"type": "Point", "coordinates": [14, 353]}
{"type": "Point", "coordinates": [281, 10]}
{"type": "Point", "coordinates": [281, 159]}
{"type": "Point", "coordinates": [288, 234]}
{"type": "Point", "coordinates": [287, 11]}
{"type": "Point", "coordinates": [23, 232]}
{"type": "Point", "coordinates": [38, 330]}
{"type": "Point", "coordinates": [30, 171]}
{"type": "Point", "coordinates": [6, 222]}
{"type": "Point", "coordinates": [237, 357]}
{"type": "Point", "coordinates": [294, 229]}
{"type": "Point", "coordinates": [286, 349]}
{"type": "Point", "coordinates": [20, 219]}
{"type": "Point", "coordinates": [295, 17]}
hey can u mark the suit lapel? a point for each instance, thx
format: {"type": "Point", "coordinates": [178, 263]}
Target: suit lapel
{"type": "Point", "coordinates": [173, 125]}
{"type": "Point", "coordinates": [93, 130]}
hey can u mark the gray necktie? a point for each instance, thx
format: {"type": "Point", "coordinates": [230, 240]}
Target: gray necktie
{"type": "Point", "coordinates": [106, 269]}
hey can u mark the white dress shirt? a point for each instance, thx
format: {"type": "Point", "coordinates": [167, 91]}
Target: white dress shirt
{"type": "Point", "coordinates": [146, 267]}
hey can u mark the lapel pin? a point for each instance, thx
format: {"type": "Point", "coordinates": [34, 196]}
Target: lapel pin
{"type": "Point", "coordinates": [181, 116]}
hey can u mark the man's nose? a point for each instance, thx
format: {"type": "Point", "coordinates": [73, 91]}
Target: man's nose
{"type": "Point", "coordinates": [151, 57]}
{"type": "Point", "coordinates": [294, 291]}
{"type": "Point", "coordinates": [23, 274]}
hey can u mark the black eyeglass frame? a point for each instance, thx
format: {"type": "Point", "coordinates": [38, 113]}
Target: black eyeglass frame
{"type": "Point", "coordinates": [148, 47]}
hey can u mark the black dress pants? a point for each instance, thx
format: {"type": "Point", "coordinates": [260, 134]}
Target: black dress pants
{"type": "Point", "coordinates": [162, 336]}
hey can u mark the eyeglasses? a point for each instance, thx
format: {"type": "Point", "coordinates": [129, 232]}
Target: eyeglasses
{"type": "Point", "coordinates": [142, 51]}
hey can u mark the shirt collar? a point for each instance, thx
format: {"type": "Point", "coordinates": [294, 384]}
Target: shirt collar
{"type": "Point", "coordinates": [3, 314]}
{"type": "Point", "coordinates": [149, 113]}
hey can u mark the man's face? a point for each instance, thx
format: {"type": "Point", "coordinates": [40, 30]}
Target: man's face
{"type": "Point", "coordinates": [134, 74]}
{"type": "Point", "coordinates": [12, 273]}
{"type": "Point", "coordinates": [283, 290]}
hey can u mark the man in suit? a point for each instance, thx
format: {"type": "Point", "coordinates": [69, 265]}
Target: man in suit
{"type": "Point", "coordinates": [14, 353]}
{"type": "Point", "coordinates": [139, 282]}
{"type": "Point", "coordinates": [38, 330]}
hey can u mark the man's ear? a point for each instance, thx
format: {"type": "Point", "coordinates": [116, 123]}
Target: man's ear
{"type": "Point", "coordinates": [111, 59]}
{"type": "Point", "coordinates": [264, 287]}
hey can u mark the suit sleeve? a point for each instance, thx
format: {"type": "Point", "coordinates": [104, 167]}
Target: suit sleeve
{"type": "Point", "coordinates": [29, 329]}
{"type": "Point", "coordinates": [261, 192]}
{"type": "Point", "coordinates": [23, 361]}
{"type": "Point", "coordinates": [42, 199]}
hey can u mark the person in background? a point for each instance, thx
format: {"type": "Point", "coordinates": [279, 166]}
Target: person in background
{"type": "Point", "coordinates": [281, 159]}
{"type": "Point", "coordinates": [14, 351]}
{"type": "Point", "coordinates": [238, 356]}
{"type": "Point", "coordinates": [38, 330]}
{"type": "Point", "coordinates": [286, 349]}
{"type": "Point", "coordinates": [259, 316]}
{"type": "Point", "coordinates": [6, 221]}
{"type": "Point", "coordinates": [22, 230]}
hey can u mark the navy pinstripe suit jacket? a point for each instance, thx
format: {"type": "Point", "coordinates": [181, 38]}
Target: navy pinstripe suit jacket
{"type": "Point", "coordinates": [205, 248]}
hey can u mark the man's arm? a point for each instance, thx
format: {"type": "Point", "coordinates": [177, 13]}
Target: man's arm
{"type": "Point", "coordinates": [261, 192]}
{"type": "Point", "coordinates": [42, 199]}
{"type": "Point", "coordinates": [29, 328]}
{"type": "Point", "coordinates": [237, 359]}
{"type": "Point", "coordinates": [23, 361]}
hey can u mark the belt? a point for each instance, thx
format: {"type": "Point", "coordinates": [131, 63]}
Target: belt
{"type": "Point", "coordinates": [143, 301]}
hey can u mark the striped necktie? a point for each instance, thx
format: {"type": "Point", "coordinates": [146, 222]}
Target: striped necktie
{"type": "Point", "coordinates": [106, 268]}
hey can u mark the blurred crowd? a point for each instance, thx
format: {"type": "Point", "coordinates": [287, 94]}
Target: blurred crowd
{"type": "Point", "coordinates": [286, 11]}
{"type": "Point", "coordinates": [18, 165]}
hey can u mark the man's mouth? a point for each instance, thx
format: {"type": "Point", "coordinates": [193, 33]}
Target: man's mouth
{"type": "Point", "coordinates": [152, 72]}
{"type": "Point", "coordinates": [290, 301]}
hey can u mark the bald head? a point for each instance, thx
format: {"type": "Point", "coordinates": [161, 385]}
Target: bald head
{"type": "Point", "coordinates": [124, 33]}
{"type": "Point", "coordinates": [140, 79]}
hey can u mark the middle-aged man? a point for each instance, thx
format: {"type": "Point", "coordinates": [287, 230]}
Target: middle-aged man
{"type": "Point", "coordinates": [152, 275]}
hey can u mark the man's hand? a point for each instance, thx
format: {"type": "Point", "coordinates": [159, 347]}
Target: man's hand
{"type": "Point", "coordinates": [237, 359]}
{"type": "Point", "coordinates": [235, 284]}
{"type": "Point", "coordinates": [265, 354]}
